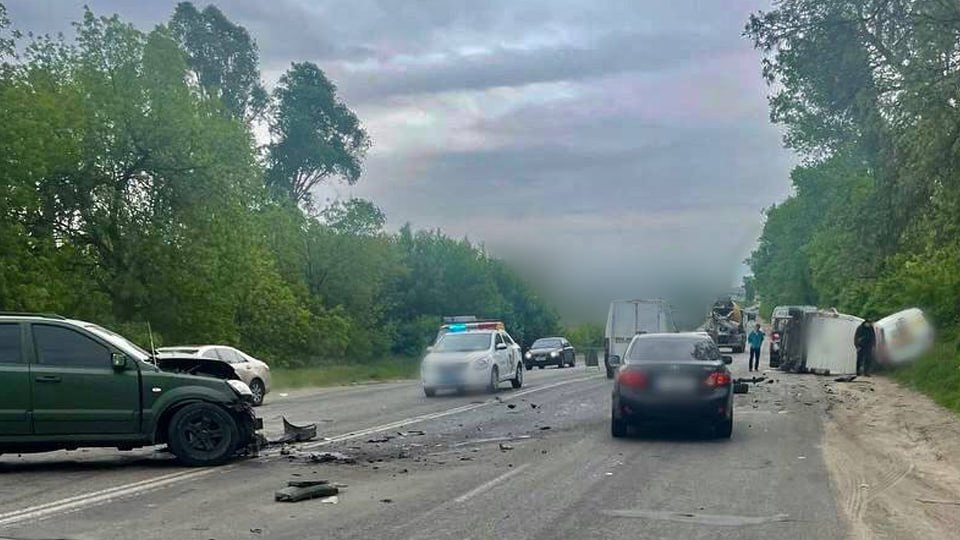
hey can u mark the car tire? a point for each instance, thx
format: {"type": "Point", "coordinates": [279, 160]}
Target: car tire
{"type": "Point", "coordinates": [529, 367]}
{"type": "Point", "coordinates": [724, 429]}
{"type": "Point", "coordinates": [540, 367]}
{"type": "Point", "coordinates": [259, 391]}
{"type": "Point", "coordinates": [517, 380]}
{"type": "Point", "coordinates": [203, 434]}
{"type": "Point", "coordinates": [429, 392]}
{"type": "Point", "coordinates": [618, 428]}
{"type": "Point", "coordinates": [494, 385]}
{"type": "Point", "coordinates": [609, 372]}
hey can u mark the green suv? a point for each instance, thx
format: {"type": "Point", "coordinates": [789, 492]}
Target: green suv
{"type": "Point", "coordinates": [68, 384]}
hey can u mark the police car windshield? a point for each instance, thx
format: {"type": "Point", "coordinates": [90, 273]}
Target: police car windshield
{"type": "Point", "coordinates": [546, 344]}
{"type": "Point", "coordinates": [474, 341]}
{"type": "Point", "coordinates": [672, 350]}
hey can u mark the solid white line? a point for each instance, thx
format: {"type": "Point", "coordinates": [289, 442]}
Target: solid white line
{"type": "Point", "coordinates": [487, 485]}
{"type": "Point", "coordinates": [94, 498]}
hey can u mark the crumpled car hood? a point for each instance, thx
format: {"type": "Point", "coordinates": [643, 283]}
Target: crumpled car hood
{"type": "Point", "coordinates": [192, 365]}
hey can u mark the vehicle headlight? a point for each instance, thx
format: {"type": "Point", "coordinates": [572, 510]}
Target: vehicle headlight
{"type": "Point", "coordinates": [554, 354]}
{"type": "Point", "coordinates": [481, 363]}
{"type": "Point", "coordinates": [240, 388]}
{"type": "Point", "coordinates": [528, 355]}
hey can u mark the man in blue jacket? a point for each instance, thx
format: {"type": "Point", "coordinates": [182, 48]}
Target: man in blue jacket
{"type": "Point", "coordinates": [755, 339]}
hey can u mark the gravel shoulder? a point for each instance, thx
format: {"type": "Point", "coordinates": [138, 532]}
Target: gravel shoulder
{"type": "Point", "coordinates": [893, 460]}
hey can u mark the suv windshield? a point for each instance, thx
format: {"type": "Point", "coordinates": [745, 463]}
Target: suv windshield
{"type": "Point", "coordinates": [463, 342]}
{"type": "Point", "coordinates": [546, 344]}
{"type": "Point", "coordinates": [672, 350]}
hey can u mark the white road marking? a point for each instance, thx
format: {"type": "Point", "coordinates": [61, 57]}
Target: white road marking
{"type": "Point", "coordinates": [487, 485]}
{"type": "Point", "coordinates": [85, 500]}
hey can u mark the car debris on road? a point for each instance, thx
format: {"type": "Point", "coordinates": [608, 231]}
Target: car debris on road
{"type": "Point", "coordinates": [299, 490]}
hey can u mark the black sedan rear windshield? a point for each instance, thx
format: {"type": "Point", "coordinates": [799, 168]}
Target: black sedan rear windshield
{"type": "Point", "coordinates": [546, 344]}
{"type": "Point", "coordinates": [672, 350]}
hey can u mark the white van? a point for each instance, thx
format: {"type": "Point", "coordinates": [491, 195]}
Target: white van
{"type": "Point", "coordinates": [829, 343]}
{"type": "Point", "coordinates": [903, 336]}
{"type": "Point", "coordinates": [628, 318]}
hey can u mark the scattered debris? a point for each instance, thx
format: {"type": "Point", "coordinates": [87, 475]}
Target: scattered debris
{"type": "Point", "coordinates": [333, 499]}
{"type": "Point", "coordinates": [411, 433]}
{"type": "Point", "coordinates": [295, 433]}
{"type": "Point", "coordinates": [382, 439]}
{"type": "Point", "coordinates": [505, 447]}
{"type": "Point", "coordinates": [297, 494]}
{"type": "Point", "coordinates": [256, 531]}
{"type": "Point", "coordinates": [386, 501]}
{"type": "Point", "coordinates": [846, 378]}
{"type": "Point", "coordinates": [307, 483]}
{"type": "Point", "coordinates": [544, 428]}
{"type": "Point", "coordinates": [511, 405]}
{"type": "Point", "coordinates": [533, 405]}
{"type": "Point", "coordinates": [321, 457]}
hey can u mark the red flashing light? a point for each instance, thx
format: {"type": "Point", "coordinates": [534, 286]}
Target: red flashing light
{"type": "Point", "coordinates": [718, 379]}
{"type": "Point", "coordinates": [633, 379]}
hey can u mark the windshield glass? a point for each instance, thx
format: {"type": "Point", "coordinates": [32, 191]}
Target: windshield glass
{"type": "Point", "coordinates": [672, 350]}
{"type": "Point", "coordinates": [546, 344]}
{"type": "Point", "coordinates": [117, 340]}
{"type": "Point", "coordinates": [463, 342]}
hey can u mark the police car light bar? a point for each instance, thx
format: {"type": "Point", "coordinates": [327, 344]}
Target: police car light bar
{"type": "Point", "coordinates": [463, 327]}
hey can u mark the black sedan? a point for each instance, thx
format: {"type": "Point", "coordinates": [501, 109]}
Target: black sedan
{"type": "Point", "coordinates": [672, 379]}
{"type": "Point", "coordinates": [550, 351]}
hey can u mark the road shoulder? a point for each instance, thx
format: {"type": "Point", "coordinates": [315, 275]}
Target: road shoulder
{"type": "Point", "coordinates": [893, 460]}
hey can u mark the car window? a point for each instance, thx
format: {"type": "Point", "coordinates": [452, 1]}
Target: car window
{"type": "Point", "coordinates": [230, 355]}
{"type": "Point", "coordinates": [463, 343]}
{"type": "Point", "coordinates": [499, 339]}
{"type": "Point", "coordinates": [211, 353]}
{"type": "Point", "coordinates": [508, 340]}
{"type": "Point", "coordinates": [672, 350]}
{"type": "Point", "coordinates": [10, 352]}
{"type": "Point", "coordinates": [59, 346]}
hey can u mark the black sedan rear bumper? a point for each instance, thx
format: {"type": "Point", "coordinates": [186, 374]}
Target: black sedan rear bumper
{"type": "Point", "coordinates": [714, 407]}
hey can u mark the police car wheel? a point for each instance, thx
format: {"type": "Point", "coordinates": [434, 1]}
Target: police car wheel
{"type": "Point", "coordinates": [517, 380]}
{"type": "Point", "coordinates": [494, 385]}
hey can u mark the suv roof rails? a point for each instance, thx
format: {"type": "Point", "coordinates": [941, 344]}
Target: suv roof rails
{"type": "Point", "coordinates": [31, 314]}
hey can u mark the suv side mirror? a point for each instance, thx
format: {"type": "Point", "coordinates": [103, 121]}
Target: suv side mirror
{"type": "Point", "coordinates": [501, 346]}
{"type": "Point", "coordinates": [118, 361]}
{"type": "Point", "coordinates": [613, 360]}
{"type": "Point", "coordinates": [727, 359]}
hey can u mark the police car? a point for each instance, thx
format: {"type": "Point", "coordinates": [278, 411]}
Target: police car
{"type": "Point", "coordinates": [474, 355]}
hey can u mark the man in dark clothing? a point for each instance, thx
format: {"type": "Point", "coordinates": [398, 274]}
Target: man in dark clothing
{"type": "Point", "coordinates": [865, 340]}
{"type": "Point", "coordinates": [756, 341]}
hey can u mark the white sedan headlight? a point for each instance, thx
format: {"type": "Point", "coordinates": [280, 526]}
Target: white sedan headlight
{"type": "Point", "coordinates": [481, 363]}
{"type": "Point", "coordinates": [528, 355]}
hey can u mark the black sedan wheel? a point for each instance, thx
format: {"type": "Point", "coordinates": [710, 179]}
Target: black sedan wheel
{"type": "Point", "coordinates": [203, 434]}
{"type": "Point", "coordinates": [618, 428]}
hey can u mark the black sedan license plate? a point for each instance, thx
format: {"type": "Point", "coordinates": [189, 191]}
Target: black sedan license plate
{"type": "Point", "coordinates": [676, 384]}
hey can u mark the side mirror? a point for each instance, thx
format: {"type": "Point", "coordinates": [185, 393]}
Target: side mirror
{"type": "Point", "coordinates": [118, 361]}
{"type": "Point", "coordinates": [501, 346]}
{"type": "Point", "coordinates": [727, 359]}
{"type": "Point", "coordinates": [613, 360]}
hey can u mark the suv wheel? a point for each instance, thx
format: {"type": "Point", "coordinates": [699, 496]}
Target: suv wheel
{"type": "Point", "coordinates": [203, 434]}
{"type": "Point", "coordinates": [517, 380]}
{"type": "Point", "coordinates": [618, 428]}
{"type": "Point", "coordinates": [258, 390]}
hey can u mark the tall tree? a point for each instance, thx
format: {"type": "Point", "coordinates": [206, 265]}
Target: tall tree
{"type": "Point", "coordinates": [222, 57]}
{"type": "Point", "coordinates": [315, 136]}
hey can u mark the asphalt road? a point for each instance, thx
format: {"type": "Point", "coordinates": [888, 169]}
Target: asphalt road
{"type": "Point", "coordinates": [532, 463]}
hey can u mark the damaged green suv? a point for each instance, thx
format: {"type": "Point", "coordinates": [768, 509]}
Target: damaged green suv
{"type": "Point", "coordinates": [69, 384]}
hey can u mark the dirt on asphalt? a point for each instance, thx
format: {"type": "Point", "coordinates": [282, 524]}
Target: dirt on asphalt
{"type": "Point", "coordinates": [894, 460]}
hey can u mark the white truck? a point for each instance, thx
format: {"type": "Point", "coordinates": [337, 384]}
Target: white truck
{"type": "Point", "coordinates": [627, 318]}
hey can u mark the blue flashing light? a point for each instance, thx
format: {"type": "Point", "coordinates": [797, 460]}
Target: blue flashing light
{"type": "Point", "coordinates": [457, 327]}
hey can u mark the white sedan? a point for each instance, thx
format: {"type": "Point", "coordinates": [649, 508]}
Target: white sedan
{"type": "Point", "coordinates": [255, 373]}
{"type": "Point", "coordinates": [468, 359]}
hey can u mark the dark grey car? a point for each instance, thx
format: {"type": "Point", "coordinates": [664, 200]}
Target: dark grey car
{"type": "Point", "coordinates": [550, 351]}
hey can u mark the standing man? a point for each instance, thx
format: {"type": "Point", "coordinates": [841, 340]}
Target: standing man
{"type": "Point", "coordinates": [865, 340]}
{"type": "Point", "coordinates": [756, 340]}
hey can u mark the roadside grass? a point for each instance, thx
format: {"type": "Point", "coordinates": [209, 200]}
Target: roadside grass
{"type": "Point", "coordinates": [343, 373]}
{"type": "Point", "coordinates": [936, 374]}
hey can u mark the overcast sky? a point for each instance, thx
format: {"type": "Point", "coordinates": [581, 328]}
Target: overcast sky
{"type": "Point", "coordinates": [624, 146]}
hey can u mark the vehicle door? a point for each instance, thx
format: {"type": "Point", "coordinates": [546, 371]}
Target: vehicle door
{"type": "Point", "coordinates": [15, 374]}
{"type": "Point", "coordinates": [513, 358]}
{"type": "Point", "coordinates": [501, 354]}
{"type": "Point", "coordinates": [76, 389]}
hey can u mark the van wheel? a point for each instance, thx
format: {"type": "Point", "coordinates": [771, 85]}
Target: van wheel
{"type": "Point", "coordinates": [429, 392]}
{"type": "Point", "coordinates": [203, 434]}
{"type": "Point", "coordinates": [258, 390]}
